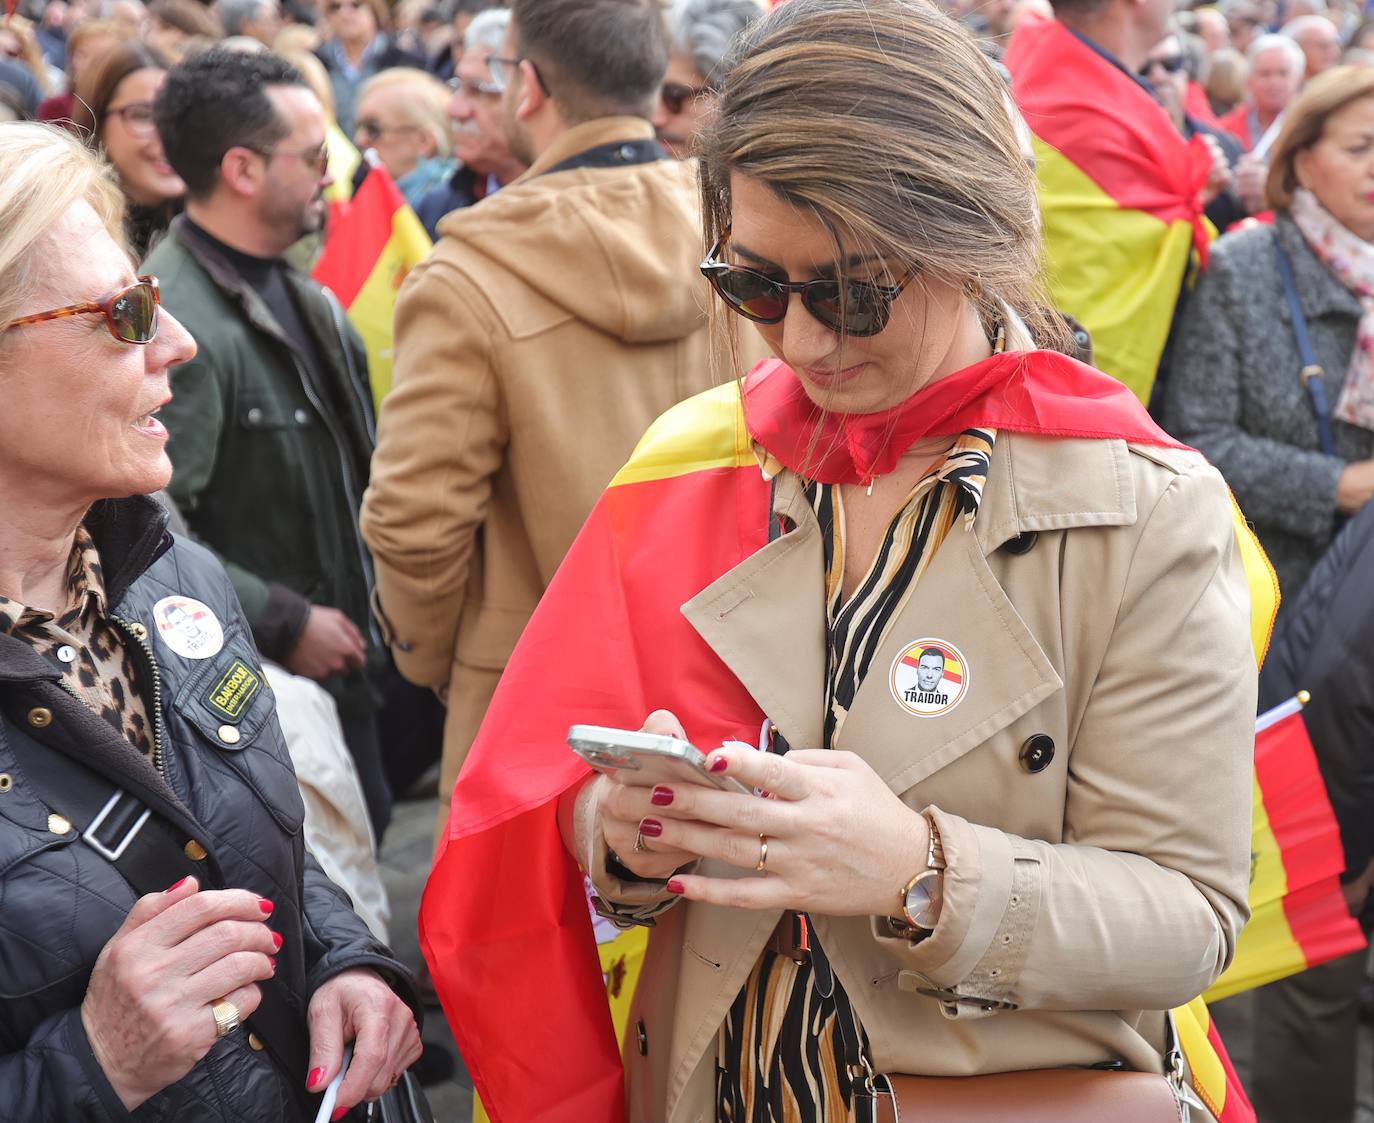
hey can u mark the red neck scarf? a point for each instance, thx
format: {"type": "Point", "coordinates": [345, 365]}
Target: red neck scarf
{"type": "Point", "coordinates": [1039, 392]}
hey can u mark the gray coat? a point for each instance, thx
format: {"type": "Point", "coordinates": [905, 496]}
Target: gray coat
{"type": "Point", "coordinates": [1236, 395]}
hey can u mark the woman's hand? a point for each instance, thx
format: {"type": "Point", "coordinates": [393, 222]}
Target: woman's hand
{"type": "Point", "coordinates": [147, 1007]}
{"type": "Point", "coordinates": [357, 1006]}
{"type": "Point", "coordinates": [1355, 486]}
{"type": "Point", "coordinates": [839, 842]}
{"type": "Point", "coordinates": [617, 810]}
{"type": "Point", "coordinates": [1219, 178]}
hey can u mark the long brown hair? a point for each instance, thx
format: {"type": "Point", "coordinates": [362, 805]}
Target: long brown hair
{"type": "Point", "coordinates": [882, 118]}
{"type": "Point", "coordinates": [1305, 122]}
{"type": "Point", "coordinates": [97, 89]}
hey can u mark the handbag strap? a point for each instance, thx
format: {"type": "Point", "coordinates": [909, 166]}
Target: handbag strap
{"type": "Point", "coordinates": [1312, 373]}
{"type": "Point", "coordinates": [141, 846]}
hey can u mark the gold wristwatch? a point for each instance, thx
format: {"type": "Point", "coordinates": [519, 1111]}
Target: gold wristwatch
{"type": "Point", "coordinates": [923, 894]}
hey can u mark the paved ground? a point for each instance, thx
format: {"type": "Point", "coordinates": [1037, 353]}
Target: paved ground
{"type": "Point", "coordinates": [405, 863]}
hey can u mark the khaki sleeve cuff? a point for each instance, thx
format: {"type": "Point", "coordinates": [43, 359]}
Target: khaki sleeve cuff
{"type": "Point", "coordinates": [990, 897]}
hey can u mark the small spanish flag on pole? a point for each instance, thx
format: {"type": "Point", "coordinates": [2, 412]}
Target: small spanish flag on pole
{"type": "Point", "coordinates": [376, 241]}
{"type": "Point", "coordinates": [1298, 917]}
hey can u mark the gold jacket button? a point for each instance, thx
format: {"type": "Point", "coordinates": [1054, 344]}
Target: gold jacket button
{"type": "Point", "coordinates": [58, 825]}
{"type": "Point", "coordinates": [40, 717]}
{"type": "Point", "coordinates": [255, 1042]}
{"type": "Point", "coordinates": [6, 781]}
{"type": "Point", "coordinates": [195, 851]}
{"type": "Point", "coordinates": [138, 630]}
{"type": "Point", "coordinates": [229, 734]}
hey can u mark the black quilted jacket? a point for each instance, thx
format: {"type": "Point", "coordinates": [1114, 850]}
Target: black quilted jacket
{"type": "Point", "coordinates": [1324, 644]}
{"type": "Point", "coordinates": [60, 902]}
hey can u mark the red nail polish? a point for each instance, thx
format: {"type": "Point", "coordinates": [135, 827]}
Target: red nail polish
{"type": "Point", "coordinates": [272, 959]}
{"type": "Point", "coordinates": [650, 828]}
{"type": "Point", "coordinates": [266, 906]}
{"type": "Point", "coordinates": [675, 886]}
{"type": "Point", "coordinates": [661, 796]}
{"type": "Point", "coordinates": [718, 764]}
{"type": "Point", "coordinates": [339, 1113]}
{"type": "Point", "coordinates": [316, 1075]}
{"type": "Point", "coordinates": [178, 885]}
{"type": "Point", "coordinates": [276, 939]}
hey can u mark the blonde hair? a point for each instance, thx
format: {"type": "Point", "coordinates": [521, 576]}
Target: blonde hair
{"type": "Point", "coordinates": [884, 119]}
{"type": "Point", "coordinates": [316, 77]}
{"type": "Point", "coordinates": [1305, 122]}
{"type": "Point", "coordinates": [295, 37]}
{"type": "Point", "coordinates": [44, 171]}
{"type": "Point", "coordinates": [428, 110]}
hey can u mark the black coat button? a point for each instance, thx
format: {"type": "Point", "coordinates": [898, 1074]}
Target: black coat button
{"type": "Point", "coordinates": [1021, 544]}
{"type": "Point", "coordinates": [643, 1037]}
{"type": "Point", "coordinates": [1037, 752]}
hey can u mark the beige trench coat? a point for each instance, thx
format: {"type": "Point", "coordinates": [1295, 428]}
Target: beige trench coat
{"type": "Point", "coordinates": [1099, 600]}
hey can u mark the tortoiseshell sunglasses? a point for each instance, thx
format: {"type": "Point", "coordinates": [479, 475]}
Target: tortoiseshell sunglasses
{"type": "Point", "coordinates": [130, 313]}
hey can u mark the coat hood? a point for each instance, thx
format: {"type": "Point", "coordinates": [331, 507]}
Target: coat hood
{"type": "Point", "coordinates": [617, 248]}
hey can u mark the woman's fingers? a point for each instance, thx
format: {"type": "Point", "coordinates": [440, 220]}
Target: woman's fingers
{"type": "Point", "coordinates": [241, 969]}
{"type": "Point", "coordinates": [196, 911]}
{"type": "Point", "coordinates": [743, 851]}
{"type": "Point", "coordinates": [222, 938]}
{"type": "Point", "coordinates": [369, 1060]}
{"type": "Point", "coordinates": [736, 892]}
{"type": "Point", "coordinates": [781, 776]}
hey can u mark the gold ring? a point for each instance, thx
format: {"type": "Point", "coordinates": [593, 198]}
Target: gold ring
{"type": "Point", "coordinates": [640, 845]}
{"type": "Point", "coordinates": [226, 1017]}
{"type": "Point", "coordinates": [763, 853]}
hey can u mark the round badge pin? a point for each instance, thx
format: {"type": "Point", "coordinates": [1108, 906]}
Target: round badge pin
{"type": "Point", "coordinates": [929, 677]}
{"type": "Point", "coordinates": [188, 627]}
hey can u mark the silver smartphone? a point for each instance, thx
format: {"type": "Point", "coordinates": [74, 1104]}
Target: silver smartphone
{"type": "Point", "coordinates": [644, 760]}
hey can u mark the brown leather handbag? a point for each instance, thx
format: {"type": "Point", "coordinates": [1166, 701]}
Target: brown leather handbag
{"type": "Point", "coordinates": [1051, 1095]}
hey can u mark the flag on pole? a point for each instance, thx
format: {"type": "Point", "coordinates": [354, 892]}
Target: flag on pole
{"type": "Point", "coordinates": [1120, 196]}
{"type": "Point", "coordinates": [1298, 914]}
{"type": "Point", "coordinates": [376, 241]}
{"type": "Point", "coordinates": [607, 644]}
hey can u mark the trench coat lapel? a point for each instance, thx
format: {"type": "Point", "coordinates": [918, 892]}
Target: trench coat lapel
{"type": "Point", "coordinates": [1002, 671]}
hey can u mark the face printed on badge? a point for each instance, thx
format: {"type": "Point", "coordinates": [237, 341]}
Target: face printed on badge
{"type": "Point", "coordinates": [188, 627]}
{"type": "Point", "coordinates": [929, 677]}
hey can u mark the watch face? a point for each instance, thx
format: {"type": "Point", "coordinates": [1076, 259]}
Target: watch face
{"type": "Point", "coordinates": [919, 899]}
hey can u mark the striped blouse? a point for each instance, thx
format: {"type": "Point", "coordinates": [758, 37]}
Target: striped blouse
{"type": "Point", "coordinates": [781, 1053]}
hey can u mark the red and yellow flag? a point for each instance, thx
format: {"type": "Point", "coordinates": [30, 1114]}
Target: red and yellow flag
{"type": "Point", "coordinates": [504, 921]}
{"type": "Point", "coordinates": [1298, 914]}
{"type": "Point", "coordinates": [375, 240]}
{"type": "Point", "coordinates": [1120, 196]}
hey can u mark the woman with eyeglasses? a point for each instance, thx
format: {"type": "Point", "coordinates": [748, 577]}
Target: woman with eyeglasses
{"type": "Point", "coordinates": [358, 45]}
{"type": "Point", "coordinates": [171, 951]}
{"type": "Point", "coordinates": [114, 113]}
{"type": "Point", "coordinates": [964, 637]}
{"type": "Point", "coordinates": [1272, 377]}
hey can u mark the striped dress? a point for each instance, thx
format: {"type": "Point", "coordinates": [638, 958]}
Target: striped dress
{"type": "Point", "coordinates": [781, 1054]}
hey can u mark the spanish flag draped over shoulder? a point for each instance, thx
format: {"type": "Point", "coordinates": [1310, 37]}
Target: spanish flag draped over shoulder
{"type": "Point", "coordinates": [374, 240]}
{"type": "Point", "coordinates": [1120, 196]}
{"type": "Point", "coordinates": [504, 921]}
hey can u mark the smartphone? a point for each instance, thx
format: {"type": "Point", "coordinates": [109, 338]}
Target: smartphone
{"type": "Point", "coordinates": [644, 760]}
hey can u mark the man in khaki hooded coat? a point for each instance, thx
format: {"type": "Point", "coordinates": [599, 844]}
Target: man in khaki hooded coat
{"type": "Point", "coordinates": [551, 325]}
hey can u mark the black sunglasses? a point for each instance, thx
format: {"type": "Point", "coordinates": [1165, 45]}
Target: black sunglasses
{"type": "Point", "coordinates": [1171, 64]}
{"type": "Point", "coordinates": [675, 95]}
{"type": "Point", "coordinates": [858, 308]}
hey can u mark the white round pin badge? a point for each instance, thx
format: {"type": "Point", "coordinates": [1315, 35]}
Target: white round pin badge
{"type": "Point", "coordinates": [929, 677]}
{"type": "Point", "coordinates": [188, 627]}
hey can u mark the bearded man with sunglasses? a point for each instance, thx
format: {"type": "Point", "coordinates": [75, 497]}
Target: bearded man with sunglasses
{"type": "Point", "coordinates": [551, 325]}
{"type": "Point", "coordinates": [270, 428]}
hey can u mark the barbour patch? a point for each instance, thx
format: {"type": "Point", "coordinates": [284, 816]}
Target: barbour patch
{"type": "Point", "coordinates": [229, 697]}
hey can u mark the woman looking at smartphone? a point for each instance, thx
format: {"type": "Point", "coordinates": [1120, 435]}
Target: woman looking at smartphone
{"type": "Point", "coordinates": [1002, 622]}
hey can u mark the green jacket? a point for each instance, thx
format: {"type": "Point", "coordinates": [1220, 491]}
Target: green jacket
{"type": "Point", "coordinates": [269, 462]}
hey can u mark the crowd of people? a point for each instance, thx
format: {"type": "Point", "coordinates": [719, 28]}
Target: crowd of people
{"type": "Point", "coordinates": [948, 536]}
